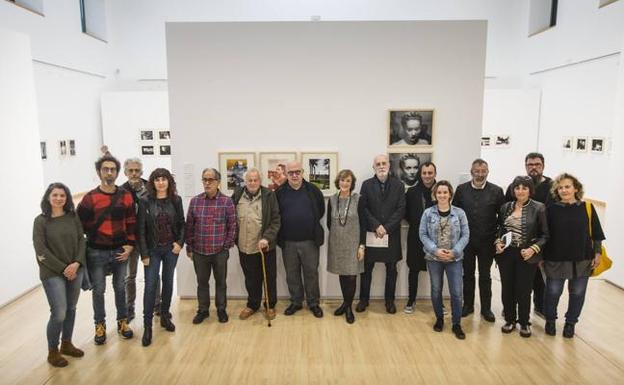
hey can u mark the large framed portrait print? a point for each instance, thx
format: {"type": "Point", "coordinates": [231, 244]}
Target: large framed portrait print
{"type": "Point", "coordinates": [233, 166]}
{"type": "Point", "coordinates": [406, 165]}
{"type": "Point", "coordinates": [273, 167]}
{"type": "Point", "coordinates": [410, 128]}
{"type": "Point", "coordinates": [320, 169]}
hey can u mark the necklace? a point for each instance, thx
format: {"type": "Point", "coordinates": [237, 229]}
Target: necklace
{"type": "Point", "coordinates": [343, 220]}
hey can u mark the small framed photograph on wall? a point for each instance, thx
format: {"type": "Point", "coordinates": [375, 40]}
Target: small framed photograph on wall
{"type": "Point", "coordinates": [502, 141]}
{"type": "Point", "coordinates": [147, 134]}
{"type": "Point", "coordinates": [410, 128]}
{"type": "Point", "coordinates": [147, 150]}
{"type": "Point", "coordinates": [44, 150]}
{"type": "Point", "coordinates": [320, 169]}
{"type": "Point", "coordinates": [598, 145]}
{"type": "Point", "coordinates": [63, 147]}
{"type": "Point", "coordinates": [580, 144]}
{"type": "Point", "coordinates": [486, 141]}
{"type": "Point", "coordinates": [406, 165]}
{"type": "Point", "coordinates": [72, 147]}
{"type": "Point", "coordinates": [567, 143]}
{"type": "Point", "coordinates": [165, 150]}
{"type": "Point", "coordinates": [273, 167]}
{"type": "Point", "coordinates": [233, 166]}
{"type": "Point", "coordinates": [164, 134]}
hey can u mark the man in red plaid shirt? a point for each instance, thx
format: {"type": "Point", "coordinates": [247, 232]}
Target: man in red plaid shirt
{"type": "Point", "coordinates": [210, 232]}
{"type": "Point", "coordinates": [109, 220]}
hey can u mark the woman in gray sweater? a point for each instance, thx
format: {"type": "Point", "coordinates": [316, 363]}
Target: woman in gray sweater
{"type": "Point", "coordinates": [60, 250]}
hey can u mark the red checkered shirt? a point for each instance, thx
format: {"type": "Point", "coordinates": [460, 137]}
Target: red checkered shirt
{"type": "Point", "coordinates": [210, 224]}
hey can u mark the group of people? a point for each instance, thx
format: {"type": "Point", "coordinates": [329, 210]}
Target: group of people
{"type": "Point", "coordinates": [541, 227]}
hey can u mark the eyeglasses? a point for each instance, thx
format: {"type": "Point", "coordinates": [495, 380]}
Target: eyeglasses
{"type": "Point", "coordinates": [137, 170]}
{"type": "Point", "coordinates": [209, 180]}
{"type": "Point", "coordinates": [294, 172]}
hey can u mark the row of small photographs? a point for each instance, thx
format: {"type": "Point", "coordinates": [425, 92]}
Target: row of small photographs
{"type": "Point", "coordinates": [150, 150]}
{"type": "Point", "coordinates": [584, 144]}
{"type": "Point", "coordinates": [149, 134]}
{"type": "Point", "coordinates": [64, 148]}
{"type": "Point", "coordinates": [498, 141]}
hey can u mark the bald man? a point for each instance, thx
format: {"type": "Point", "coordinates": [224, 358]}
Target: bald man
{"type": "Point", "coordinates": [301, 207]}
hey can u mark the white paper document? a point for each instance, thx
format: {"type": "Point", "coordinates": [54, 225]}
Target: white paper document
{"type": "Point", "coordinates": [506, 238]}
{"type": "Point", "coordinates": [373, 241]}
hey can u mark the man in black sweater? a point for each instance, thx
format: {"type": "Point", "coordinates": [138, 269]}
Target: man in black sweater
{"type": "Point", "coordinates": [481, 201]}
{"type": "Point", "coordinates": [534, 164]}
{"type": "Point", "coordinates": [301, 206]}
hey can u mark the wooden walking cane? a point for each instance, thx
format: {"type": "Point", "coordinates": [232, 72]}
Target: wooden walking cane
{"type": "Point", "coordinates": [266, 290]}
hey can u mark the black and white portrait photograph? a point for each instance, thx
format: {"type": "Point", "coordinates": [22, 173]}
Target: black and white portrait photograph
{"type": "Point", "coordinates": [63, 147]}
{"type": "Point", "coordinates": [406, 166]}
{"type": "Point", "coordinates": [410, 128]}
{"type": "Point", "coordinates": [164, 135]}
{"type": "Point", "coordinates": [147, 150]}
{"type": "Point", "coordinates": [147, 135]}
{"type": "Point", "coordinates": [566, 143]}
{"type": "Point", "coordinates": [598, 145]}
{"type": "Point", "coordinates": [581, 144]}
{"type": "Point", "coordinates": [72, 147]}
{"type": "Point", "coordinates": [165, 149]}
{"type": "Point", "coordinates": [44, 150]}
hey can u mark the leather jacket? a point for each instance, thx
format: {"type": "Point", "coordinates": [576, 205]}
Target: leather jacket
{"type": "Point", "coordinates": [534, 226]}
{"type": "Point", "coordinates": [149, 208]}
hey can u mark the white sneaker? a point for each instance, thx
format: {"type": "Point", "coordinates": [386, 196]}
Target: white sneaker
{"type": "Point", "coordinates": [444, 310]}
{"type": "Point", "coordinates": [408, 309]}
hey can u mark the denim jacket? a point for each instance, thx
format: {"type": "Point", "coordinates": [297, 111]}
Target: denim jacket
{"type": "Point", "coordinates": [429, 225]}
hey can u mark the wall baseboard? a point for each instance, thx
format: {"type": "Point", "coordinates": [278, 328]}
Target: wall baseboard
{"type": "Point", "coordinates": [14, 299]}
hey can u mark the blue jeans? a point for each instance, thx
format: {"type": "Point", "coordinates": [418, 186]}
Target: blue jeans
{"type": "Point", "coordinates": [158, 255]}
{"type": "Point", "coordinates": [576, 290]}
{"type": "Point", "coordinates": [454, 275]}
{"type": "Point", "coordinates": [99, 263]}
{"type": "Point", "coordinates": [62, 297]}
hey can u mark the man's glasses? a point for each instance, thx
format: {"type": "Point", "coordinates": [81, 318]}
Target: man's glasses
{"type": "Point", "coordinates": [294, 172]}
{"type": "Point", "coordinates": [209, 180]}
{"type": "Point", "coordinates": [131, 170]}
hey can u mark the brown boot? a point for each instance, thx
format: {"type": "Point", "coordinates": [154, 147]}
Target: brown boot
{"type": "Point", "coordinates": [55, 358]}
{"type": "Point", "coordinates": [69, 349]}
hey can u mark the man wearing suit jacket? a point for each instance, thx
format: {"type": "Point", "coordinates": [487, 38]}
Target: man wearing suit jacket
{"type": "Point", "coordinates": [382, 206]}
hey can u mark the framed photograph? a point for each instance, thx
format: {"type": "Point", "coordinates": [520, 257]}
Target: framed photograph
{"type": "Point", "coordinates": [273, 167]}
{"type": "Point", "coordinates": [165, 149]}
{"type": "Point", "coordinates": [598, 145]}
{"type": "Point", "coordinates": [486, 141]}
{"type": "Point", "coordinates": [406, 165]}
{"type": "Point", "coordinates": [72, 147]}
{"type": "Point", "coordinates": [233, 166]}
{"type": "Point", "coordinates": [410, 128]}
{"type": "Point", "coordinates": [502, 141]}
{"type": "Point", "coordinates": [580, 144]}
{"type": "Point", "coordinates": [147, 150]}
{"type": "Point", "coordinates": [147, 135]}
{"type": "Point", "coordinates": [164, 135]}
{"type": "Point", "coordinates": [63, 147]}
{"type": "Point", "coordinates": [44, 150]}
{"type": "Point", "coordinates": [320, 169]}
{"type": "Point", "coordinates": [567, 143]}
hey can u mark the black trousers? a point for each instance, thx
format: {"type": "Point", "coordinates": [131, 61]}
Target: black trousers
{"type": "Point", "coordinates": [366, 278]}
{"type": "Point", "coordinates": [204, 264]}
{"type": "Point", "coordinates": [484, 253]}
{"type": "Point", "coordinates": [254, 279]}
{"type": "Point", "coordinates": [412, 285]}
{"type": "Point", "coordinates": [539, 287]}
{"type": "Point", "coordinates": [516, 281]}
{"type": "Point", "coordinates": [347, 286]}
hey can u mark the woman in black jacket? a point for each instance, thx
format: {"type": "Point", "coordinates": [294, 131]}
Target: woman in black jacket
{"type": "Point", "coordinates": [161, 237]}
{"type": "Point", "coordinates": [524, 220]}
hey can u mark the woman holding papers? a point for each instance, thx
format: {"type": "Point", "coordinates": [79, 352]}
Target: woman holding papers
{"type": "Point", "coordinates": [444, 233]}
{"type": "Point", "coordinates": [522, 233]}
{"type": "Point", "coordinates": [346, 240]}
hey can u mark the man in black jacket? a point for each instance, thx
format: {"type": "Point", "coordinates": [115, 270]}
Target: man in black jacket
{"type": "Point", "coordinates": [301, 206]}
{"type": "Point", "coordinates": [258, 217]}
{"type": "Point", "coordinates": [381, 207]}
{"type": "Point", "coordinates": [481, 201]}
{"type": "Point", "coordinates": [534, 164]}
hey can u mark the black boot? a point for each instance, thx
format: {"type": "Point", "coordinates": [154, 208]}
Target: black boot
{"type": "Point", "coordinates": [165, 321]}
{"type": "Point", "coordinates": [341, 310]}
{"type": "Point", "coordinates": [349, 316]}
{"type": "Point", "coordinates": [147, 336]}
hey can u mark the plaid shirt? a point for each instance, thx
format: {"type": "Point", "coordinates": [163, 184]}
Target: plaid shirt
{"type": "Point", "coordinates": [210, 224]}
{"type": "Point", "coordinates": [119, 226]}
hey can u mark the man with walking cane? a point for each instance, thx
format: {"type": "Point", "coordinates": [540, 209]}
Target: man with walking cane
{"type": "Point", "coordinates": [258, 216]}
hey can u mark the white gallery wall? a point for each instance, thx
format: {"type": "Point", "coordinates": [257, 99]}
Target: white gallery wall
{"type": "Point", "coordinates": [22, 166]}
{"type": "Point", "coordinates": [320, 86]}
{"type": "Point", "coordinates": [124, 115]}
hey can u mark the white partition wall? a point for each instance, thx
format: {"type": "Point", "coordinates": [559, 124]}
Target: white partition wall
{"type": "Point", "coordinates": [320, 86]}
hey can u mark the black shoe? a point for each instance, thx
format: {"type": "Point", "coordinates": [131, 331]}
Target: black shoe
{"type": "Point", "coordinates": [341, 310]}
{"type": "Point", "coordinates": [568, 330]}
{"type": "Point", "coordinates": [467, 310]}
{"type": "Point", "coordinates": [488, 315]}
{"type": "Point", "coordinates": [349, 316]}
{"type": "Point", "coordinates": [459, 333]}
{"type": "Point", "coordinates": [147, 336]}
{"type": "Point", "coordinates": [550, 328]}
{"type": "Point", "coordinates": [525, 331]}
{"type": "Point", "coordinates": [508, 327]}
{"type": "Point", "coordinates": [200, 316]}
{"type": "Point", "coordinates": [165, 321]}
{"type": "Point", "coordinates": [390, 308]}
{"type": "Point", "coordinates": [222, 316]}
{"type": "Point", "coordinates": [292, 309]}
{"type": "Point", "coordinates": [361, 306]}
{"type": "Point", "coordinates": [438, 325]}
{"type": "Point", "coordinates": [157, 310]}
{"type": "Point", "coordinates": [131, 313]}
{"type": "Point", "coordinates": [317, 311]}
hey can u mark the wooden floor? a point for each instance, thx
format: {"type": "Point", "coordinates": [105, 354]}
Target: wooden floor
{"type": "Point", "coordinates": [377, 349]}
